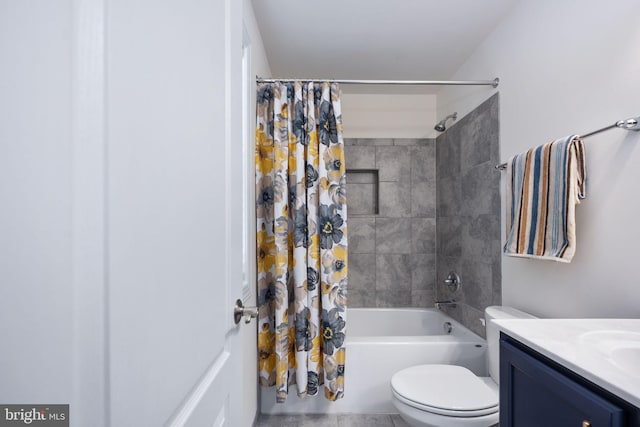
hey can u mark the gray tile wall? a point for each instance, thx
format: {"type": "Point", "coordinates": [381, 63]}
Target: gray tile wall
{"type": "Point", "coordinates": [468, 213]}
{"type": "Point", "coordinates": [392, 259]}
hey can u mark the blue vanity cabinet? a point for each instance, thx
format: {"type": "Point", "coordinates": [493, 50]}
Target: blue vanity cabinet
{"type": "Point", "coordinates": [536, 391]}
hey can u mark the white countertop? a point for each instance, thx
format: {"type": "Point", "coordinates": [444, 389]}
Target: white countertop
{"type": "Point", "coordinates": [604, 351]}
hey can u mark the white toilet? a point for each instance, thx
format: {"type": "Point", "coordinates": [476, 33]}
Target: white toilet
{"type": "Point", "coordinates": [450, 395]}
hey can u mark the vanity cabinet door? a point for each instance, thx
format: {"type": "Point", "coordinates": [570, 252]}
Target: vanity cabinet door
{"type": "Point", "coordinates": [533, 394]}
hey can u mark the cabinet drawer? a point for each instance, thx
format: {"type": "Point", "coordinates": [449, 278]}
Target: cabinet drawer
{"type": "Point", "coordinates": [533, 394]}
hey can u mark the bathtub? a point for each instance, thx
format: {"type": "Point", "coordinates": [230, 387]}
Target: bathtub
{"type": "Point", "coordinates": [380, 342]}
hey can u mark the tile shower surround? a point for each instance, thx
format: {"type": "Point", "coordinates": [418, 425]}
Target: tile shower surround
{"type": "Point", "coordinates": [392, 255]}
{"type": "Point", "coordinates": [468, 213]}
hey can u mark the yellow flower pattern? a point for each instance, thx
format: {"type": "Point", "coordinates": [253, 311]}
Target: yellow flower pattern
{"type": "Point", "coordinates": [301, 210]}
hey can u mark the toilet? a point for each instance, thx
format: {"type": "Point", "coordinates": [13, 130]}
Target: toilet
{"type": "Point", "coordinates": [450, 395]}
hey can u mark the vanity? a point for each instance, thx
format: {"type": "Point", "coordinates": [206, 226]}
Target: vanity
{"type": "Point", "coordinates": [569, 372]}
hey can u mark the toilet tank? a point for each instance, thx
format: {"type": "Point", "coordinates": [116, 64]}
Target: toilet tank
{"type": "Point", "coordinates": [493, 334]}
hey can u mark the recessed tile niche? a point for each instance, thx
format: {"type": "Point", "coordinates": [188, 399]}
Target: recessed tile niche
{"type": "Point", "coordinates": [364, 190]}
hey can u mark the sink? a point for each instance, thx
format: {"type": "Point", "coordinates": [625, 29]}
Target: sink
{"type": "Point", "coordinates": [627, 359]}
{"type": "Point", "coordinates": [620, 348]}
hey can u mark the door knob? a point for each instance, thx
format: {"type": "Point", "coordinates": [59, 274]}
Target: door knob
{"type": "Point", "coordinates": [240, 311]}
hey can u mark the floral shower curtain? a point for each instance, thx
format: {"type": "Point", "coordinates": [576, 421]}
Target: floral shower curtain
{"type": "Point", "coordinates": [301, 238]}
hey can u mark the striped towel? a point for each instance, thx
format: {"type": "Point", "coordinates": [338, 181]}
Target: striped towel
{"type": "Point", "coordinates": [543, 186]}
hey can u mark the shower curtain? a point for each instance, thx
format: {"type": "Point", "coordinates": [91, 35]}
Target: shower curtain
{"type": "Point", "coordinates": [301, 238]}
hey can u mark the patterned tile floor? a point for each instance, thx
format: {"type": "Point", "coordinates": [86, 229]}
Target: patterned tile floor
{"type": "Point", "coordinates": [318, 420]}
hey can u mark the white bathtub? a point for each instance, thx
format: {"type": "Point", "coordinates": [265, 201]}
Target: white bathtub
{"type": "Point", "coordinates": [381, 342]}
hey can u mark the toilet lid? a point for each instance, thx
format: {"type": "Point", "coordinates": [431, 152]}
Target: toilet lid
{"type": "Point", "coordinates": [445, 389]}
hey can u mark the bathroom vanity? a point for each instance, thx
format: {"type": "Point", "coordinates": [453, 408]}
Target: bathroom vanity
{"type": "Point", "coordinates": [570, 372]}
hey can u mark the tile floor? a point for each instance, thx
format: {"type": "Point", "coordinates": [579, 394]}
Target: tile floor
{"type": "Point", "coordinates": [319, 420]}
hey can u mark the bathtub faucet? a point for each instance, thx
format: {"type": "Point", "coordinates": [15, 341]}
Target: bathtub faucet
{"type": "Point", "coordinates": [451, 302]}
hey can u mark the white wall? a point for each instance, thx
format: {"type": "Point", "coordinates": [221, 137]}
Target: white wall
{"type": "Point", "coordinates": [36, 286]}
{"type": "Point", "coordinates": [51, 174]}
{"type": "Point", "coordinates": [259, 66]}
{"type": "Point", "coordinates": [388, 115]}
{"type": "Point", "coordinates": [570, 67]}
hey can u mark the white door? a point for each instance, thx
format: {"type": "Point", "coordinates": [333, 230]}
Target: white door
{"type": "Point", "coordinates": [174, 204]}
{"type": "Point", "coordinates": [120, 159]}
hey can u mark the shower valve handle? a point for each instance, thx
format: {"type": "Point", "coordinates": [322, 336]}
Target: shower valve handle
{"type": "Point", "coordinates": [452, 281]}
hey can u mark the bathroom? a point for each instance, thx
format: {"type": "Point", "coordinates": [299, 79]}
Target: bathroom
{"type": "Point", "coordinates": [125, 263]}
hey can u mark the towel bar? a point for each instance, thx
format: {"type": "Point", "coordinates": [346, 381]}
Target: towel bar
{"type": "Point", "coordinates": [628, 124]}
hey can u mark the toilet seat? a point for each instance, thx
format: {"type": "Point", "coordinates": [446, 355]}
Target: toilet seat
{"type": "Point", "coordinates": [459, 392]}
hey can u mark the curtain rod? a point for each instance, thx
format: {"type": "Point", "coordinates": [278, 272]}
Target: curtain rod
{"type": "Point", "coordinates": [493, 82]}
{"type": "Point", "coordinates": [628, 124]}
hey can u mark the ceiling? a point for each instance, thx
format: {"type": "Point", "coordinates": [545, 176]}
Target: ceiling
{"type": "Point", "coordinates": [374, 39]}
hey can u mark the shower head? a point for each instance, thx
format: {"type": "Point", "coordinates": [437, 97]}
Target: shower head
{"type": "Point", "coordinates": [440, 127]}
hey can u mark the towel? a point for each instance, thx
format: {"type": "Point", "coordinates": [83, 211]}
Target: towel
{"type": "Point", "coordinates": [543, 187]}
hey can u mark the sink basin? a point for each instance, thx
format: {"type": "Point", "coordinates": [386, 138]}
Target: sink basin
{"type": "Point", "coordinates": [620, 348]}
{"type": "Point", "coordinates": [627, 359]}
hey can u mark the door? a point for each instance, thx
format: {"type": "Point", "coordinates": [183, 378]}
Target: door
{"type": "Point", "coordinates": [174, 232]}
{"type": "Point", "coordinates": [120, 159]}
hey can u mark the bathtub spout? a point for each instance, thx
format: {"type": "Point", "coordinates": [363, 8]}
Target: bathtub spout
{"type": "Point", "coordinates": [451, 303]}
